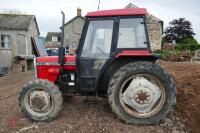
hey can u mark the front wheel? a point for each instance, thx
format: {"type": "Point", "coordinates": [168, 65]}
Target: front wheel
{"type": "Point", "coordinates": [141, 93]}
{"type": "Point", "coordinates": [40, 100]}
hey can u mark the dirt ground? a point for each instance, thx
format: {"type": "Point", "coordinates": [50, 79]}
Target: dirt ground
{"type": "Point", "coordinates": [77, 116]}
{"type": "Point", "coordinates": [187, 76]}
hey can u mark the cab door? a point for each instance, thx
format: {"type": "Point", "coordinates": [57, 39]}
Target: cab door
{"type": "Point", "coordinates": [93, 52]}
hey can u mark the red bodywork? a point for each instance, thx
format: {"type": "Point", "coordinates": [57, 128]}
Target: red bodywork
{"type": "Point", "coordinates": [48, 67]}
{"type": "Point", "coordinates": [119, 12]}
{"type": "Point", "coordinates": [134, 53]}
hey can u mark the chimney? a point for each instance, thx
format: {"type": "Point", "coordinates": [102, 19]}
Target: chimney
{"type": "Point", "coordinates": [79, 12]}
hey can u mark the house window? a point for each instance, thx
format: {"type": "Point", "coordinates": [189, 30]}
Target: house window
{"type": "Point", "coordinates": [54, 38]}
{"type": "Point", "coordinates": [5, 41]}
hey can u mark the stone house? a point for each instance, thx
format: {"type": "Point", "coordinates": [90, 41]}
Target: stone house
{"type": "Point", "coordinates": [72, 33]}
{"type": "Point", "coordinates": [73, 29]}
{"type": "Point", "coordinates": [155, 29]}
{"type": "Point", "coordinates": [53, 40]}
{"type": "Point", "coordinates": [17, 32]}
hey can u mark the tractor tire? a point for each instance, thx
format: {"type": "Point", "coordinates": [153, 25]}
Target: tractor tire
{"type": "Point", "coordinates": [40, 100]}
{"type": "Point", "coordinates": [130, 75]}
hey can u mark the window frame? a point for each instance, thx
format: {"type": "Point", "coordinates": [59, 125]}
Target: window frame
{"type": "Point", "coordinates": [85, 29]}
{"type": "Point", "coordinates": [114, 50]}
{"type": "Point", "coordinates": [117, 50]}
{"type": "Point", "coordinates": [93, 37]}
{"type": "Point", "coordinates": [1, 41]}
{"type": "Point", "coordinates": [54, 39]}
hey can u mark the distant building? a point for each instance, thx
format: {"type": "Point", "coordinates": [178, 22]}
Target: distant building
{"type": "Point", "coordinates": [53, 40]}
{"type": "Point", "coordinates": [155, 29]}
{"type": "Point", "coordinates": [72, 33]}
{"type": "Point", "coordinates": [197, 53]}
{"type": "Point", "coordinates": [17, 32]}
{"type": "Point", "coordinates": [73, 29]}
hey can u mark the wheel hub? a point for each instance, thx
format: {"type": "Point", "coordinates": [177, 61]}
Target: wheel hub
{"type": "Point", "coordinates": [141, 94]}
{"type": "Point", "coordinates": [39, 101]}
{"type": "Point", "coordinates": [142, 97]}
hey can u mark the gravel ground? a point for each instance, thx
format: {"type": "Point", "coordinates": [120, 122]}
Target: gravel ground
{"type": "Point", "coordinates": [77, 116]}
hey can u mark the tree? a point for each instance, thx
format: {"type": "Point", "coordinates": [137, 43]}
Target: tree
{"type": "Point", "coordinates": [188, 44]}
{"type": "Point", "coordinates": [11, 11]}
{"type": "Point", "coordinates": [188, 41]}
{"type": "Point", "coordinates": [178, 30]}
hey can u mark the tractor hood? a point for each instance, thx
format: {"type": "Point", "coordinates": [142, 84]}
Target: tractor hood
{"type": "Point", "coordinates": [47, 67]}
{"type": "Point", "coordinates": [70, 61]}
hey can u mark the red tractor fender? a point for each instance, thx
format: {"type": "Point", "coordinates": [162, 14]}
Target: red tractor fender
{"type": "Point", "coordinates": [134, 53]}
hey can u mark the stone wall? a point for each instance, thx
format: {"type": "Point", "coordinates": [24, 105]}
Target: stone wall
{"type": "Point", "coordinates": [32, 32]}
{"type": "Point", "coordinates": [7, 55]}
{"type": "Point", "coordinates": [155, 32]}
{"type": "Point", "coordinates": [73, 32]}
{"type": "Point", "coordinates": [20, 66]}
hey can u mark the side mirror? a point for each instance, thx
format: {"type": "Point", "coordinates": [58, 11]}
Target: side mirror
{"type": "Point", "coordinates": [61, 55]}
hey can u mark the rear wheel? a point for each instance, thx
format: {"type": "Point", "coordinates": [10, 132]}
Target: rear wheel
{"type": "Point", "coordinates": [40, 100]}
{"type": "Point", "coordinates": [141, 93]}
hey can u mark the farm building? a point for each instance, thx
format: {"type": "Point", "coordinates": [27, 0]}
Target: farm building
{"type": "Point", "coordinates": [53, 40]}
{"type": "Point", "coordinates": [73, 29]}
{"type": "Point", "coordinates": [52, 43]}
{"type": "Point", "coordinates": [17, 32]}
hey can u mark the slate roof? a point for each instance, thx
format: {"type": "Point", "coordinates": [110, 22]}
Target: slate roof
{"type": "Point", "coordinates": [50, 34]}
{"type": "Point", "coordinates": [16, 21]}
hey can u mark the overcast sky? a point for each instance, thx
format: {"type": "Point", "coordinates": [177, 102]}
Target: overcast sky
{"type": "Point", "coordinates": [49, 18]}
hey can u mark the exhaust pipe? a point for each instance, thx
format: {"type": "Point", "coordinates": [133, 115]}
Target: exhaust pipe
{"type": "Point", "coordinates": [61, 55]}
{"type": "Point", "coordinates": [62, 30]}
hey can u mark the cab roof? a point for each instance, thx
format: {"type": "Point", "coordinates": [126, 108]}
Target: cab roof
{"type": "Point", "coordinates": [118, 12]}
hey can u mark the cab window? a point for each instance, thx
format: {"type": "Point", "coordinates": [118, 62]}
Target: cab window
{"type": "Point", "coordinates": [132, 33]}
{"type": "Point", "coordinates": [98, 39]}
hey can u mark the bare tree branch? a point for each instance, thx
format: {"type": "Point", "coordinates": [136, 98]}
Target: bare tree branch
{"type": "Point", "coordinates": [11, 11]}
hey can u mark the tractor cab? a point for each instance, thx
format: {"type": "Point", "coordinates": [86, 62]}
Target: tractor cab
{"type": "Point", "coordinates": [106, 36]}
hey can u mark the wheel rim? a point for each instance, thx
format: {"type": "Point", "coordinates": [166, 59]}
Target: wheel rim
{"type": "Point", "coordinates": [142, 95]}
{"type": "Point", "coordinates": [38, 102]}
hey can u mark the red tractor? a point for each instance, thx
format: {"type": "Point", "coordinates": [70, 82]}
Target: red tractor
{"type": "Point", "coordinates": [113, 59]}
